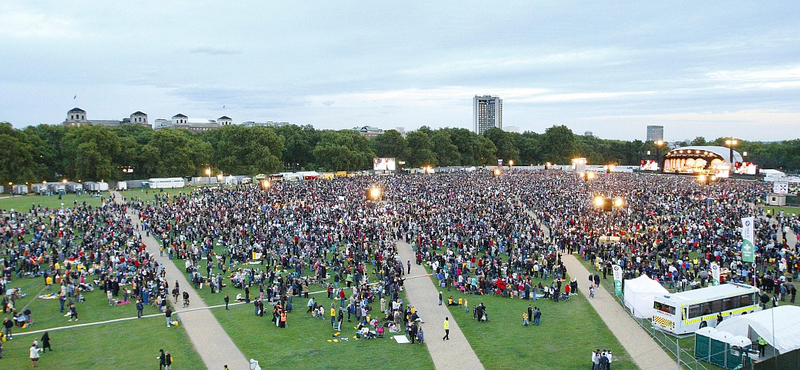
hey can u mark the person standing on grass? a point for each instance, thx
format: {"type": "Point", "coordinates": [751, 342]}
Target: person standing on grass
{"type": "Point", "coordinates": [446, 329]}
{"type": "Point", "coordinates": [34, 351]}
{"type": "Point", "coordinates": [168, 314]}
{"type": "Point", "coordinates": [46, 342]}
{"type": "Point", "coordinates": [139, 308]}
{"type": "Point", "coordinates": [162, 359]}
{"type": "Point", "coordinates": [227, 299]}
{"type": "Point", "coordinates": [339, 319]}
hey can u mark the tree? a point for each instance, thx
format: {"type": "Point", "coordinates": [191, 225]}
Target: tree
{"type": "Point", "coordinates": [558, 145]}
{"type": "Point", "coordinates": [419, 152]}
{"type": "Point", "coordinates": [344, 150]}
{"type": "Point", "coordinates": [19, 159]}
{"type": "Point", "coordinates": [390, 144]}
{"type": "Point", "coordinates": [505, 144]}
{"type": "Point", "coordinates": [89, 152]}
{"type": "Point", "coordinates": [246, 150]}
{"type": "Point", "coordinates": [175, 152]}
{"type": "Point", "coordinates": [446, 152]}
{"type": "Point", "coordinates": [299, 143]}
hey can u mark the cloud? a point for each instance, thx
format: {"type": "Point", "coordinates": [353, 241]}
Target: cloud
{"type": "Point", "coordinates": [207, 50]}
{"type": "Point", "coordinates": [770, 78]}
{"type": "Point", "coordinates": [451, 95]}
{"type": "Point", "coordinates": [745, 116]}
{"type": "Point", "coordinates": [568, 97]}
{"type": "Point", "coordinates": [18, 23]}
{"type": "Point", "coordinates": [528, 60]}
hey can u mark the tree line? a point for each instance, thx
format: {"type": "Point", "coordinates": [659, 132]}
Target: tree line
{"type": "Point", "coordinates": [95, 152]}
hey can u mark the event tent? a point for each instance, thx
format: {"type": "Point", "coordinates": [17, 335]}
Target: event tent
{"type": "Point", "coordinates": [639, 294]}
{"type": "Point", "coordinates": [779, 326]}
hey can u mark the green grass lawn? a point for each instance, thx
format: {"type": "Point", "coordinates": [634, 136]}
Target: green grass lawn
{"type": "Point", "coordinates": [121, 345]}
{"type": "Point", "coordinates": [139, 340]}
{"type": "Point", "coordinates": [23, 203]}
{"type": "Point", "coordinates": [787, 210]}
{"type": "Point", "coordinates": [568, 333]}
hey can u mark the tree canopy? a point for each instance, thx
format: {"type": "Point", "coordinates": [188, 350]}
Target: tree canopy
{"type": "Point", "coordinates": [94, 152]}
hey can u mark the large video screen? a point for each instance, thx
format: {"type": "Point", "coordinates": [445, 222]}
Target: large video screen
{"type": "Point", "coordinates": [383, 164]}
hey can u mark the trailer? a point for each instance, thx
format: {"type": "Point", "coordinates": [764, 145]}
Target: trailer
{"type": "Point", "coordinates": [20, 189]}
{"type": "Point", "coordinates": [40, 189]}
{"type": "Point", "coordinates": [74, 187]}
{"type": "Point", "coordinates": [122, 185]}
{"type": "Point", "coordinates": [166, 183]}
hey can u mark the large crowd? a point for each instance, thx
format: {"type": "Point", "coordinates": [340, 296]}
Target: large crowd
{"type": "Point", "coordinates": [479, 234]}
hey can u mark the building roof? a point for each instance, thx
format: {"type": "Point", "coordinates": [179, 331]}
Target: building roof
{"type": "Point", "coordinates": [179, 115]}
{"type": "Point", "coordinates": [223, 118]}
{"type": "Point", "coordinates": [76, 110]}
{"type": "Point", "coordinates": [138, 113]}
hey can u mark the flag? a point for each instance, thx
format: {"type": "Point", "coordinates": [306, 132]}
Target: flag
{"type": "Point", "coordinates": [748, 246]}
{"type": "Point", "coordinates": [715, 273]}
{"type": "Point", "coordinates": [617, 279]}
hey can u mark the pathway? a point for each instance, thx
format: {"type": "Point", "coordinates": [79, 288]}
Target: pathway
{"type": "Point", "coordinates": [644, 351]}
{"type": "Point", "coordinates": [210, 340]}
{"type": "Point", "coordinates": [455, 353]}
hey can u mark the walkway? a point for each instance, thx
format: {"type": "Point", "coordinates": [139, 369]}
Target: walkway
{"type": "Point", "coordinates": [455, 353]}
{"type": "Point", "coordinates": [210, 341]}
{"type": "Point", "coordinates": [644, 351]}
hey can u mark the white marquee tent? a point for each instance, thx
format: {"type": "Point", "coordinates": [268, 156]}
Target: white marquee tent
{"type": "Point", "coordinates": [639, 294]}
{"type": "Point", "coordinates": [779, 326]}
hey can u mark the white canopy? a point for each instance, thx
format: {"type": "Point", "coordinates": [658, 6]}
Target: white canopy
{"type": "Point", "coordinates": [639, 294]}
{"type": "Point", "coordinates": [786, 334]}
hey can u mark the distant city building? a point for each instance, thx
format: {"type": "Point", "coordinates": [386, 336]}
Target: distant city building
{"type": "Point", "coordinates": [77, 117]}
{"type": "Point", "coordinates": [487, 113]}
{"type": "Point", "coordinates": [655, 133]}
{"type": "Point", "coordinates": [368, 131]}
{"type": "Point", "coordinates": [511, 129]}
{"type": "Point", "coordinates": [588, 133]}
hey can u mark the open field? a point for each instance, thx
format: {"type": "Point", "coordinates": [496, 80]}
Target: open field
{"type": "Point", "coordinates": [569, 331]}
{"type": "Point", "coordinates": [127, 344]}
{"type": "Point", "coordinates": [23, 203]}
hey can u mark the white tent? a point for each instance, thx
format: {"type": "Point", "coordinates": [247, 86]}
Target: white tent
{"type": "Point", "coordinates": [231, 180]}
{"type": "Point", "coordinates": [786, 335]}
{"type": "Point", "coordinates": [639, 295]}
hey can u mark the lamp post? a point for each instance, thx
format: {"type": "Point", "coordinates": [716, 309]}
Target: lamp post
{"type": "Point", "coordinates": [11, 188]}
{"type": "Point", "coordinates": [208, 175]}
{"type": "Point", "coordinates": [658, 143]}
{"type": "Point", "coordinates": [730, 143]}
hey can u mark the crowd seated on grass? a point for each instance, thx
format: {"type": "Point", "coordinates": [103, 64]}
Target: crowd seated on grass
{"type": "Point", "coordinates": [480, 235]}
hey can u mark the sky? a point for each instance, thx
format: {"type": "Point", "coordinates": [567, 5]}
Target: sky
{"type": "Point", "coordinates": [711, 68]}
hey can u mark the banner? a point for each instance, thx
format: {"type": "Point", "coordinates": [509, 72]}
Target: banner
{"type": "Point", "coordinates": [714, 274]}
{"type": "Point", "coordinates": [617, 279]}
{"type": "Point", "coordinates": [748, 245]}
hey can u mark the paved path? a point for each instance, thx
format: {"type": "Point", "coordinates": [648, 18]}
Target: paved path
{"type": "Point", "coordinates": [455, 353]}
{"type": "Point", "coordinates": [210, 341]}
{"type": "Point", "coordinates": [644, 351]}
